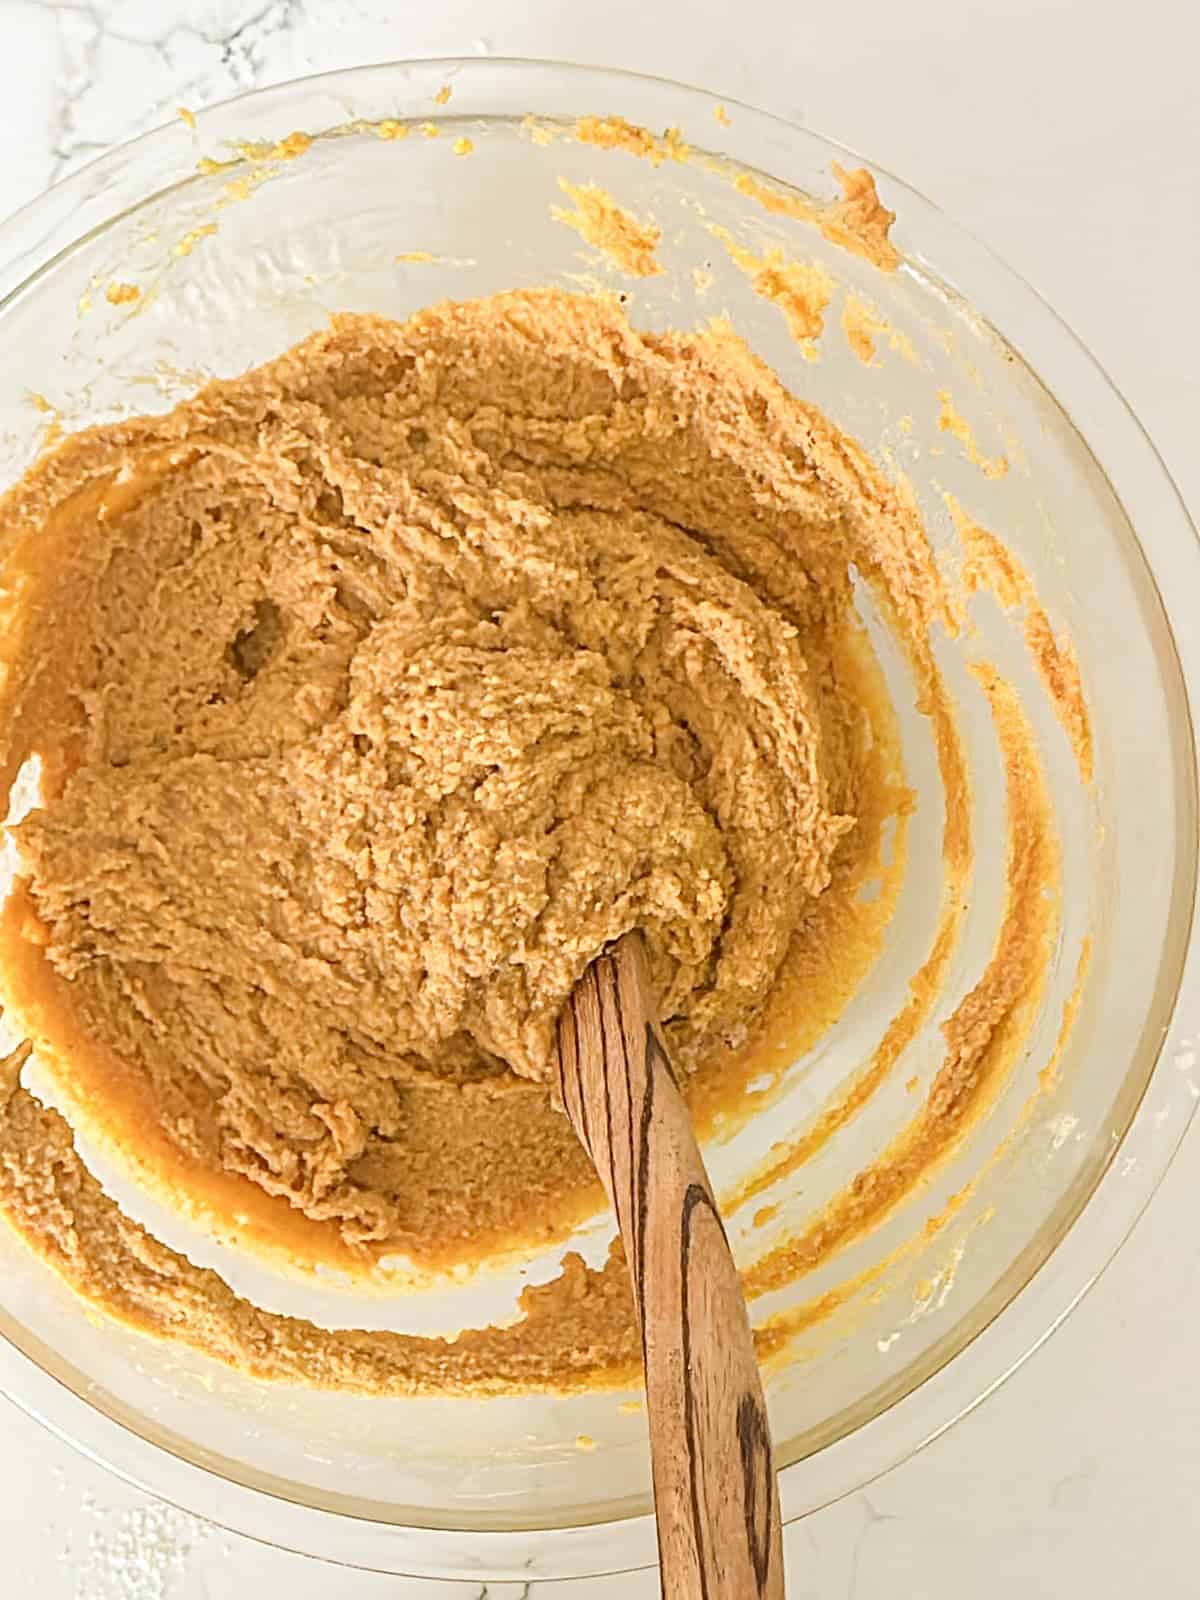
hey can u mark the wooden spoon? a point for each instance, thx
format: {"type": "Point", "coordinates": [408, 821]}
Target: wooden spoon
{"type": "Point", "coordinates": [714, 1483]}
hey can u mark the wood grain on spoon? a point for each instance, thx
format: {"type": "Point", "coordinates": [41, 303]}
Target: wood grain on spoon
{"type": "Point", "coordinates": [715, 1490]}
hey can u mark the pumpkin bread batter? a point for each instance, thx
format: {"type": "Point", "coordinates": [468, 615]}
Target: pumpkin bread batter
{"type": "Point", "coordinates": [374, 692]}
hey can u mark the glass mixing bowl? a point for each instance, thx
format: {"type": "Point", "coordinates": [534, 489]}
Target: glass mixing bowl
{"type": "Point", "coordinates": [232, 265]}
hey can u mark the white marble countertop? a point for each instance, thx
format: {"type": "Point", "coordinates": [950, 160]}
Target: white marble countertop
{"type": "Point", "coordinates": [1066, 133]}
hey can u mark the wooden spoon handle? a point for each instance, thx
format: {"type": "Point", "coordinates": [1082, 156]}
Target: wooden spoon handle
{"type": "Point", "coordinates": [714, 1482]}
